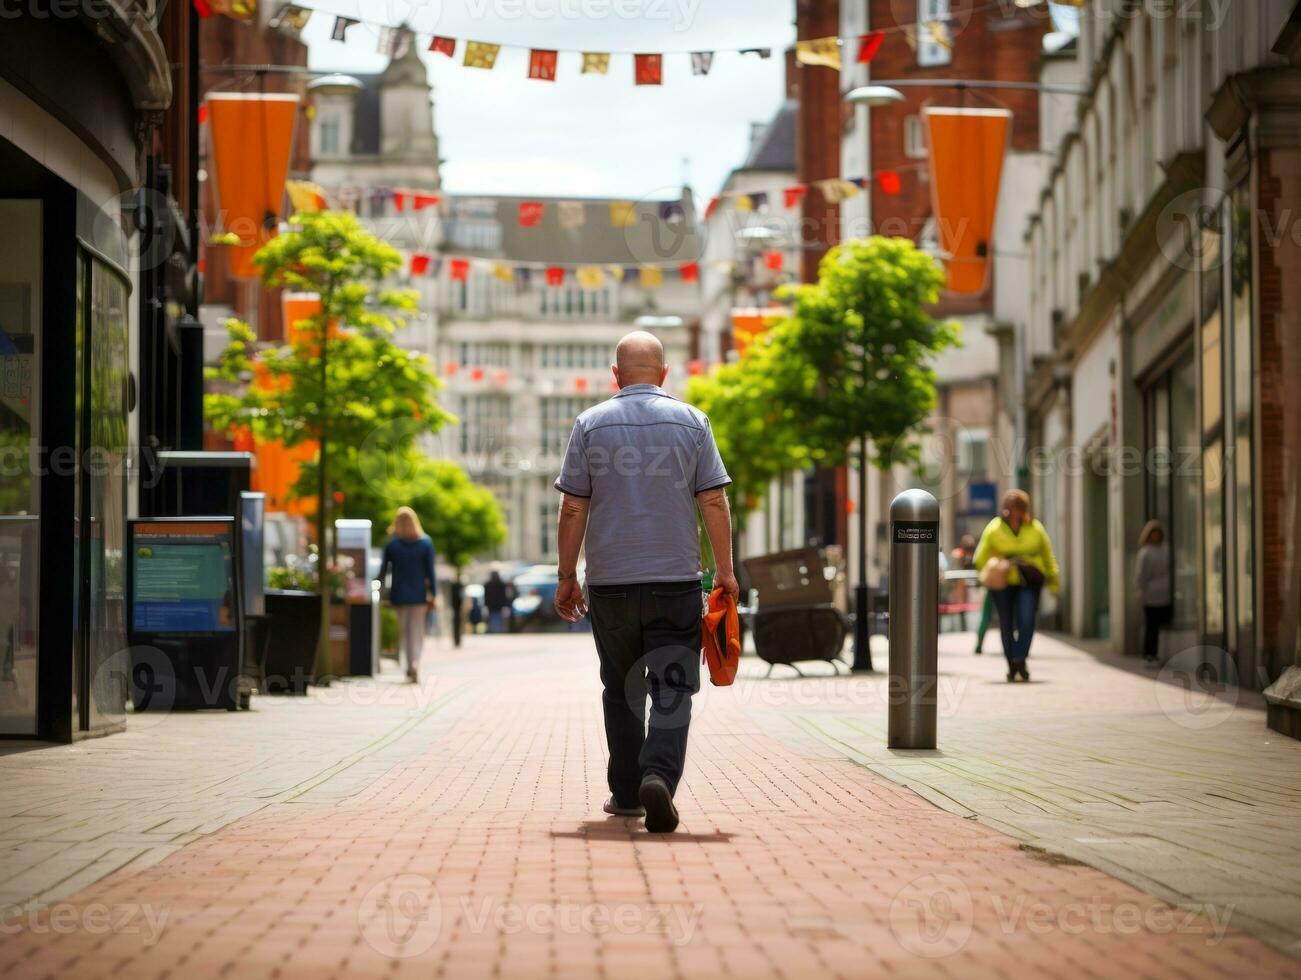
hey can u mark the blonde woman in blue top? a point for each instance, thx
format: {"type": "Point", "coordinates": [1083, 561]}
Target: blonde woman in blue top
{"type": "Point", "coordinates": [409, 556]}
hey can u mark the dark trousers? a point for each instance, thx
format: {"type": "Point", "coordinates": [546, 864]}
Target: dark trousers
{"type": "Point", "coordinates": [1155, 619]}
{"type": "Point", "coordinates": [648, 640]}
{"type": "Point", "coordinates": [1017, 605]}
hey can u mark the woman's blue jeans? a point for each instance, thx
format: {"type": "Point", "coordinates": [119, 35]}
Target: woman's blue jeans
{"type": "Point", "coordinates": [1017, 607]}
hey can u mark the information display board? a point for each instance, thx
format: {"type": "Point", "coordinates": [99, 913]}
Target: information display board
{"type": "Point", "coordinates": [183, 576]}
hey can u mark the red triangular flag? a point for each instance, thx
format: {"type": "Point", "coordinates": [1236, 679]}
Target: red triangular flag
{"type": "Point", "coordinates": [648, 69]}
{"type": "Point", "coordinates": [792, 195]}
{"type": "Point", "coordinates": [869, 45]}
{"type": "Point", "coordinates": [460, 270]}
{"type": "Point", "coordinates": [689, 271]}
{"type": "Point", "coordinates": [203, 112]}
{"type": "Point", "coordinates": [400, 201]}
{"type": "Point", "coordinates": [420, 264]}
{"type": "Point", "coordinates": [712, 206]}
{"type": "Point", "coordinates": [774, 259]}
{"type": "Point", "coordinates": [555, 275]}
{"type": "Point", "coordinates": [542, 64]}
{"type": "Point", "coordinates": [890, 181]}
{"type": "Point", "coordinates": [204, 8]}
{"type": "Point", "coordinates": [530, 213]}
{"type": "Point", "coordinates": [443, 45]}
{"type": "Point", "coordinates": [422, 201]}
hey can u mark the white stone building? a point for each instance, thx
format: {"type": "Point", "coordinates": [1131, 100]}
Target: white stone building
{"type": "Point", "coordinates": [520, 358]}
{"type": "Point", "coordinates": [1162, 327]}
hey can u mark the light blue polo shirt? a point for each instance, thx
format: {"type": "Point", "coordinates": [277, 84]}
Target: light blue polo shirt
{"type": "Point", "coordinates": [641, 457]}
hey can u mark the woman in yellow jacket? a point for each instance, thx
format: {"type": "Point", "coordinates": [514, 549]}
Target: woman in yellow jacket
{"type": "Point", "coordinates": [1025, 564]}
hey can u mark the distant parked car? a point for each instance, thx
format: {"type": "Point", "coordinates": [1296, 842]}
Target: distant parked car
{"type": "Point", "coordinates": [535, 593]}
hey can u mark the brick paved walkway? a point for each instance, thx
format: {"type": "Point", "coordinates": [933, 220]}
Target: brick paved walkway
{"type": "Point", "coordinates": [467, 840]}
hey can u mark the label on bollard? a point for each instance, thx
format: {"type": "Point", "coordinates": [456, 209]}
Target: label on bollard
{"type": "Point", "coordinates": [916, 532]}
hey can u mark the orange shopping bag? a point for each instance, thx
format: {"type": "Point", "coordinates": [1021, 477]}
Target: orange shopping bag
{"type": "Point", "coordinates": [722, 638]}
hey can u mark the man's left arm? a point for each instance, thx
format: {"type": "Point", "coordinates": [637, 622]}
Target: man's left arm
{"type": "Point", "coordinates": [569, 541]}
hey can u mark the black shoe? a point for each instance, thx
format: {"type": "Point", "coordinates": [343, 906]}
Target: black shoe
{"type": "Point", "coordinates": [1025, 674]}
{"type": "Point", "coordinates": [661, 814]}
{"type": "Point", "coordinates": [1011, 674]}
{"type": "Point", "coordinates": [979, 651]}
{"type": "Point", "coordinates": [615, 810]}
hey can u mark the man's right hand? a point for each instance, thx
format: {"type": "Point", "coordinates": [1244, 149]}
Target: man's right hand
{"type": "Point", "coordinates": [728, 583]}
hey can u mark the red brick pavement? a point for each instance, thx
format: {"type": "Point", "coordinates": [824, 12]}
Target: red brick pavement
{"type": "Point", "coordinates": [485, 854]}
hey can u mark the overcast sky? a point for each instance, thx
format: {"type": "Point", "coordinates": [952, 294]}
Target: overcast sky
{"type": "Point", "coordinates": [504, 133]}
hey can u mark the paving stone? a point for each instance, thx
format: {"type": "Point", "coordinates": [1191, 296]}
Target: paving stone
{"type": "Point", "coordinates": [462, 836]}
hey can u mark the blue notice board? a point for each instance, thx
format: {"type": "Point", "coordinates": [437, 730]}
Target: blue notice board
{"type": "Point", "coordinates": [183, 576]}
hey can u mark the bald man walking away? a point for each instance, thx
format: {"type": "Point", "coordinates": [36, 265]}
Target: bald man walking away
{"type": "Point", "coordinates": [637, 467]}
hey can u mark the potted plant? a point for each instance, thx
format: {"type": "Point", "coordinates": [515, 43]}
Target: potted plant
{"type": "Point", "coordinates": [292, 628]}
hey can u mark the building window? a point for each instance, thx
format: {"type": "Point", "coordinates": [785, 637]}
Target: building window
{"type": "Point", "coordinates": [973, 453]}
{"type": "Point", "coordinates": [485, 424]}
{"type": "Point", "coordinates": [931, 52]}
{"type": "Point", "coordinates": [485, 354]}
{"type": "Point", "coordinates": [547, 529]}
{"type": "Point", "coordinates": [558, 416]}
{"type": "Point", "coordinates": [914, 136]}
{"type": "Point", "coordinates": [329, 136]}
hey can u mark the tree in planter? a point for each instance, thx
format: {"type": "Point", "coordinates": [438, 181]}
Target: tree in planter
{"type": "Point", "coordinates": [342, 380]}
{"type": "Point", "coordinates": [854, 358]}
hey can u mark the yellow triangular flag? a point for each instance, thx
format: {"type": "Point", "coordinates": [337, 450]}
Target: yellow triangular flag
{"type": "Point", "coordinates": [305, 196]}
{"type": "Point", "coordinates": [940, 34]}
{"type": "Point", "coordinates": [819, 51]}
{"type": "Point", "coordinates": [834, 190]}
{"type": "Point", "coordinates": [479, 54]}
{"type": "Point", "coordinates": [623, 214]}
{"type": "Point", "coordinates": [500, 270]}
{"type": "Point", "coordinates": [596, 63]}
{"type": "Point", "coordinates": [590, 276]}
{"type": "Point", "coordinates": [616, 272]}
{"type": "Point", "coordinates": [652, 276]}
{"type": "Point", "coordinates": [743, 203]}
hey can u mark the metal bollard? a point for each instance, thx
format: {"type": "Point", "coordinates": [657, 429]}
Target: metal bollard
{"type": "Point", "coordinates": [914, 620]}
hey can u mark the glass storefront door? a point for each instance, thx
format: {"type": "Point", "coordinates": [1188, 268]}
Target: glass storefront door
{"type": "Point", "coordinates": [1174, 487]}
{"type": "Point", "coordinates": [20, 488]}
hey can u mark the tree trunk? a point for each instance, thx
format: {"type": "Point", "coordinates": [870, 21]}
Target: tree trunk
{"type": "Point", "coordinates": [323, 664]}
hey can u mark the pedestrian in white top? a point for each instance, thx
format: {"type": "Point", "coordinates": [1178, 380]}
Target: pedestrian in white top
{"type": "Point", "coordinates": [1152, 586]}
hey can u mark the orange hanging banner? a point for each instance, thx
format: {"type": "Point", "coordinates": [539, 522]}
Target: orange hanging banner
{"type": "Point", "coordinates": [252, 139]}
{"type": "Point", "coordinates": [967, 147]}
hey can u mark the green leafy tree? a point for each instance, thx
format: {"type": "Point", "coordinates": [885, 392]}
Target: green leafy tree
{"type": "Point", "coordinates": [856, 351]}
{"type": "Point", "coordinates": [757, 430]}
{"type": "Point", "coordinates": [343, 384]}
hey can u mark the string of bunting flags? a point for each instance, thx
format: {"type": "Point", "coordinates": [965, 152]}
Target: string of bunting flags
{"type": "Point", "coordinates": [647, 66]}
{"type": "Point", "coordinates": [573, 215]}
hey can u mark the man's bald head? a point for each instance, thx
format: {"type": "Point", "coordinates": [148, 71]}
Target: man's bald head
{"type": "Point", "coordinates": [639, 359]}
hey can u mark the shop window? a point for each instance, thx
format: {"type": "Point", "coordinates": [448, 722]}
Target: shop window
{"type": "Point", "coordinates": [1243, 448]}
{"type": "Point", "coordinates": [20, 488]}
{"type": "Point", "coordinates": [1211, 339]}
{"type": "Point", "coordinates": [1173, 488]}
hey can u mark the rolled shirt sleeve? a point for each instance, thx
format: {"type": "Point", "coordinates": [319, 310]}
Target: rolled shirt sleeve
{"type": "Point", "coordinates": [575, 476]}
{"type": "Point", "coordinates": [710, 472]}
